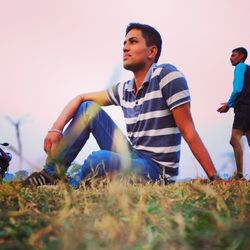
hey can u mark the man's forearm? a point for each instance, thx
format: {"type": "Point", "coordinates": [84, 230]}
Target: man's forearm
{"type": "Point", "coordinates": [201, 154]}
{"type": "Point", "coordinates": [184, 122]}
{"type": "Point", "coordinates": [70, 109]}
{"type": "Point", "coordinates": [67, 113]}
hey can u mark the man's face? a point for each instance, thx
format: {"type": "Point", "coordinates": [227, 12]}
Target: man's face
{"type": "Point", "coordinates": [236, 58]}
{"type": "Point", "coordinates": [136, 54]}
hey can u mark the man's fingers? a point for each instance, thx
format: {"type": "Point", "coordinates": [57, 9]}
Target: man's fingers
{"type": "Point", "coordinates": [50, 140]}
{"type": "Point", "coordinates": [47, 145]}
{"type": "Point", "coordinates": [219, 109]}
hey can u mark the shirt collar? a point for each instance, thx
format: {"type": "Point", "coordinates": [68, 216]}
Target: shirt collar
{"type": "Point", "coordinates": [146, 79]}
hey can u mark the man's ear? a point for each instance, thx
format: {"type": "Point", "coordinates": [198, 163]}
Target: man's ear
{"type": "Point", "coordinates": [242, 57]}
{"type": "Point", "coordinates": [152, 52]}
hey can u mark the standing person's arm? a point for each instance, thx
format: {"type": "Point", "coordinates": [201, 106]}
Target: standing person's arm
{"type": "Point", "coordinates": [55, 133]}
{"type": "Point", "coordinates": [238, 83]}
{"type": "Point", "coordinates": [184, 122]}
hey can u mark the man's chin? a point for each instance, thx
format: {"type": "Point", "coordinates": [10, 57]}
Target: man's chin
{"type": "Point", "coordinates": [132, 67]}
{"type": "Point", "coordinates": [127, 67]}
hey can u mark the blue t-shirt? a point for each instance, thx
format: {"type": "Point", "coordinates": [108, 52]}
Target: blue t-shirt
{"type": "Point", "coordinates": [238, 82]}
{"type": "Point", "coordinates": [150, 125]}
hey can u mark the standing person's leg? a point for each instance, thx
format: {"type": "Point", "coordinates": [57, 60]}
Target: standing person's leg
{"type": "Point", "coordinates": [247, 128]}
{"type": "Point", "coordinates": [247, 133]}
{"type": "Point", "coordinates": [241, 126]}
{"type": "Point", "coordinates": [235, 141]}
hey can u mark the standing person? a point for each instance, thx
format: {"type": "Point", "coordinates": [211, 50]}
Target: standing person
{"type": "Point", "coordinates": [156, 108]}
{"type": "Point", "coordinates": [240, 101]}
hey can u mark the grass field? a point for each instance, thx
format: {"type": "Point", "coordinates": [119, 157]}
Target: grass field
{"type": "Point", "coordinates": [124, 215]}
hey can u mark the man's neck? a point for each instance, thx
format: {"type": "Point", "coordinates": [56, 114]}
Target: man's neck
{"type": "Point", "coordinates": [239, 63]}
{"type": "Point", "coordinates": [140, 76]}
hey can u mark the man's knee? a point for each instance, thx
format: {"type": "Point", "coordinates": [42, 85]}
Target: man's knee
{"type": "Point", "coordinates": [85, 106]}
{"type": "Point", "coordinates": [88, 109]}
{"type": "Point", "coordinates": [234, 141]}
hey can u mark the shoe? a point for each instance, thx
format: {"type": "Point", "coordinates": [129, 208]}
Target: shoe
{"type": "Point", "coordinates": [238, 176]}
{"type": "Point", "coordinates": [40, 178]}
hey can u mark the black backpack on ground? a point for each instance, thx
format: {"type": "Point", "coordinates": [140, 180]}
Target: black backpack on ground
{"type": "Point", "coordinates": [4, 160]}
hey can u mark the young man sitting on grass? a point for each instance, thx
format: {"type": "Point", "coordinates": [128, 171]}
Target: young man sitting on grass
{"type": "Point", "coordinates": [156, 108]}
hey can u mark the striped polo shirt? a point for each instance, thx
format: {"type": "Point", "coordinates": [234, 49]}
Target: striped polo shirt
{"type": "Point", "coordinates": [150, 125]}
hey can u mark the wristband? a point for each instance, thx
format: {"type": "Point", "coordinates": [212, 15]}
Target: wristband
{"type": "Point", "coordinates": [56, 130]}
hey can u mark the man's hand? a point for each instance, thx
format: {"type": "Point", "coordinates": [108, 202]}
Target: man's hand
{"type": "Point", "coordinates": [52, 138]}
{"type": "Point", "coordinates": [223, 109]}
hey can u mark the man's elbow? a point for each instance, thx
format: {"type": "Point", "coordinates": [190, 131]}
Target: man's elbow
{"type": "Point", "coordinates": [190, 136]}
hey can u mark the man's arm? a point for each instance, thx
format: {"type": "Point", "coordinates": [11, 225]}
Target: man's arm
{"type": "Point", "coordinates": [238, 83]}
{"type": "Point", "coordinates": [68, 112]}
{"type": "Point", "coordinates": [184, 122]}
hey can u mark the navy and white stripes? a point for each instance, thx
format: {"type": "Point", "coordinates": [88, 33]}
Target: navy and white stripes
{"type": "Point", "coordinates": [150, 124]}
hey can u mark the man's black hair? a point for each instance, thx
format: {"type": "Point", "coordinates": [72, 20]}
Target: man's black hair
{"type": "Point", "coordinates": [241, 50]}
{"type": "Point", "coordinates": [150, 34]}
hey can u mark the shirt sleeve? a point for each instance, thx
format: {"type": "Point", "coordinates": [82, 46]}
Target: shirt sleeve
{"type": "Point", "coordinates": [175, 89]}
{"type": "Point", "coordinates": [114, 94]}
{"type": "Point", "coordinates": [238, 83]}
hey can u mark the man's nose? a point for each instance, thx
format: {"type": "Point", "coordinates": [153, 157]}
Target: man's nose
{"type": "Point", "coordinates": [125, 47]}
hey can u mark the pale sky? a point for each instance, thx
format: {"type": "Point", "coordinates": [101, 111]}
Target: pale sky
{"type": "Point", "coordinates": [52, 50]}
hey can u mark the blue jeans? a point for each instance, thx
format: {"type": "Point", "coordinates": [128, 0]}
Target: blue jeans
{"type": "Point", "coordinates": [115, 152]}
